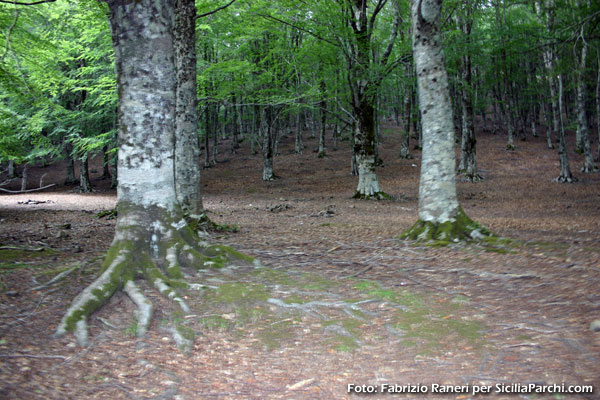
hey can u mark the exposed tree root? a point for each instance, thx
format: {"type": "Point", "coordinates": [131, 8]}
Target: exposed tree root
{"type": "Point", "coordinates": [565, 179]}
{"type": "Point", "coordinates": [373, 196]}
{"type": "Point", "coordinates": [461, 228]}
{"type": "Point", "coordinates": [149, 244]}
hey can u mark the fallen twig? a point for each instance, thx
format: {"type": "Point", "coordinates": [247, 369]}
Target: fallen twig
{"type": "Point", "coordinates": [31, 356]}
{"type": "Point", "coordinates": [22, 248]}
{"type": "Point", "coordinates": [26, 191]}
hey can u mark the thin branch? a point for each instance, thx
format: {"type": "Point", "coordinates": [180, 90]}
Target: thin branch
{"type": "Point", "coordinates": [18, 3]}
{"type": "Point", "coordinates": [299, 28]}
{"type": "Point", "coordinates": [31, 356]}
{"type": "Point", "coordinates": [210, 12]}
{"type": "Point", "coordinates": [26, 191]}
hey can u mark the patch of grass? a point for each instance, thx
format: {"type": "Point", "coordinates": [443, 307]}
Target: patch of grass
{"type": "Point", "coordinates": [240, 293]}
{"type": "Point", "coordinates": [268, 275]}
{"type": "Point", "coordinates": [274, 334]}
{"type": "Point", "coordinates": [23, 255]}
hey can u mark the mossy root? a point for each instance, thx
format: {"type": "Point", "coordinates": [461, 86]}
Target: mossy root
{"type": "Point", "coordinates": [460, 229]}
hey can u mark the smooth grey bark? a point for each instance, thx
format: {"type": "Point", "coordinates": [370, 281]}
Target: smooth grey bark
{"type": "Point", "coordinates": [440, 215]}
{"type": "Point", "coordinates": [187, 142]}
{"type": "Point", "coordinates": [438, 201]}
{"type": "Point", "coordinates": [151, 237]}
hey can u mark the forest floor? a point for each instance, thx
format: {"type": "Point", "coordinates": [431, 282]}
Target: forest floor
{"type": "Point", "coordinates": [338, 299]}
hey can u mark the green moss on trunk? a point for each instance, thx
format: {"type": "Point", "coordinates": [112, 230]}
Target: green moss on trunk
{"type": "Point", "coordinates": [460, 229]}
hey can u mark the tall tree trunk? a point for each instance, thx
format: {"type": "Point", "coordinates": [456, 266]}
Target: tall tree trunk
{"type": "Point", "coordinates": [322, 125]}
{"type": "Point", "coordinates": [468, 159]}
{"type": "Point", "coordinates": [187, 142]}
{"type": "Point", "coordinates": [151, 238]}
{"type": "Point", "coordinates": [440, 215]}
{"type": "Point", "coordinates": [583, 144]}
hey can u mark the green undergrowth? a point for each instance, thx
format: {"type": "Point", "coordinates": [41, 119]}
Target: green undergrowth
{"type": "Point", "coordinates": [431, 324]}
{"type": "Point", "coordinates": [277, 308]}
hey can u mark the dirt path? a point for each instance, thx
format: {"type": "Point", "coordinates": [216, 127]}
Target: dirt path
{"type": "Point", "coordinates": [338, 301]}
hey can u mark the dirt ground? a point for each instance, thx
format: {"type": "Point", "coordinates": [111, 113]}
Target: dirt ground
{"type": "Point", "coordinates": [338, 300]}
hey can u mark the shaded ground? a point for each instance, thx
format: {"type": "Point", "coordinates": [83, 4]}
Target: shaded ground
{"type": "Point", "coordinates": [338, 300]}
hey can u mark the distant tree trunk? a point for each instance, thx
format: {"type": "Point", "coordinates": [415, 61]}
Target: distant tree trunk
{"type": "Point", "coordinates": [547, 111]}
{"type": "Point", "coordinates": [468, 159]}
{"type": "Point", "coordinates": [558, 127]}
{"type": "Point", "coordinates": [12, 171]}
{"type": "Point", "coordinates": [105, 163]}
{"type": "Point", "coordinates": [440, 215]}
{"type": "Point", "coordinates": [84, 175]}
{"type": "Point", "coordinates": [268, 144]}
{"type": "Point", "coordinates": [115, 177]}
{"type": "Point", "coordinates": [207, 130]}
{"type": "Point", "coordinates": [598, 102]}
{"type": "Point", "coordinates": [24, 176]}
{"type": "Point", "coordinates": [322, 125]}
{"type": "Point", "coordinates": [70, 179]}
{"type": "Point", "coordinates": [406, 121]}
{"type": "Point", "coordinates": [235, 140]}
{"type": "Point", "coordinates": [583, 142]}
{"type": "Point", "coordinates": [298, 145]}
{"type": "Point", "coordinates": [215, 132]}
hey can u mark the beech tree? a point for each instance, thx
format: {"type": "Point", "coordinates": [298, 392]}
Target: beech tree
{"type": "Point", "coordinates": [440, 214]}
{"type": "Point", "coordinates": [152, 239]}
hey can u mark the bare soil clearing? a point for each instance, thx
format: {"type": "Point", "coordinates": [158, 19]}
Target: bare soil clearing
{"type": "Point", "coordinates": [338, 299]}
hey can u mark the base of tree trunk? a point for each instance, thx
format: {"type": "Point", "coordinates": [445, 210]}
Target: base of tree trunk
{"type": "Point", "coordinates": [510, 147]}
{"type": "Point", "coordinates": [470, 177]}
{"type": "Point", "coordinates": [375, 196]}
{"type": "Point", "coordinates": [460, 229]}
{"type": "Point", "coordinates": [160, 256]}
{"type": "Point", "coordinates": [565, 179]}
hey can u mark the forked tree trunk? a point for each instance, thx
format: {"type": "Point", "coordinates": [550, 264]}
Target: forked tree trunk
{"type": "Point", "coordinates": [187, 144]}
{"type": "Point", "coordinates": [440, 215]}
{"type": "Point", "coordinates": [151, 238]}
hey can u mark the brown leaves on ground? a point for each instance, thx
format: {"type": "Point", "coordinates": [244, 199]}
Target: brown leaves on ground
{"type": "Point", "coordinates": [510, 312]}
